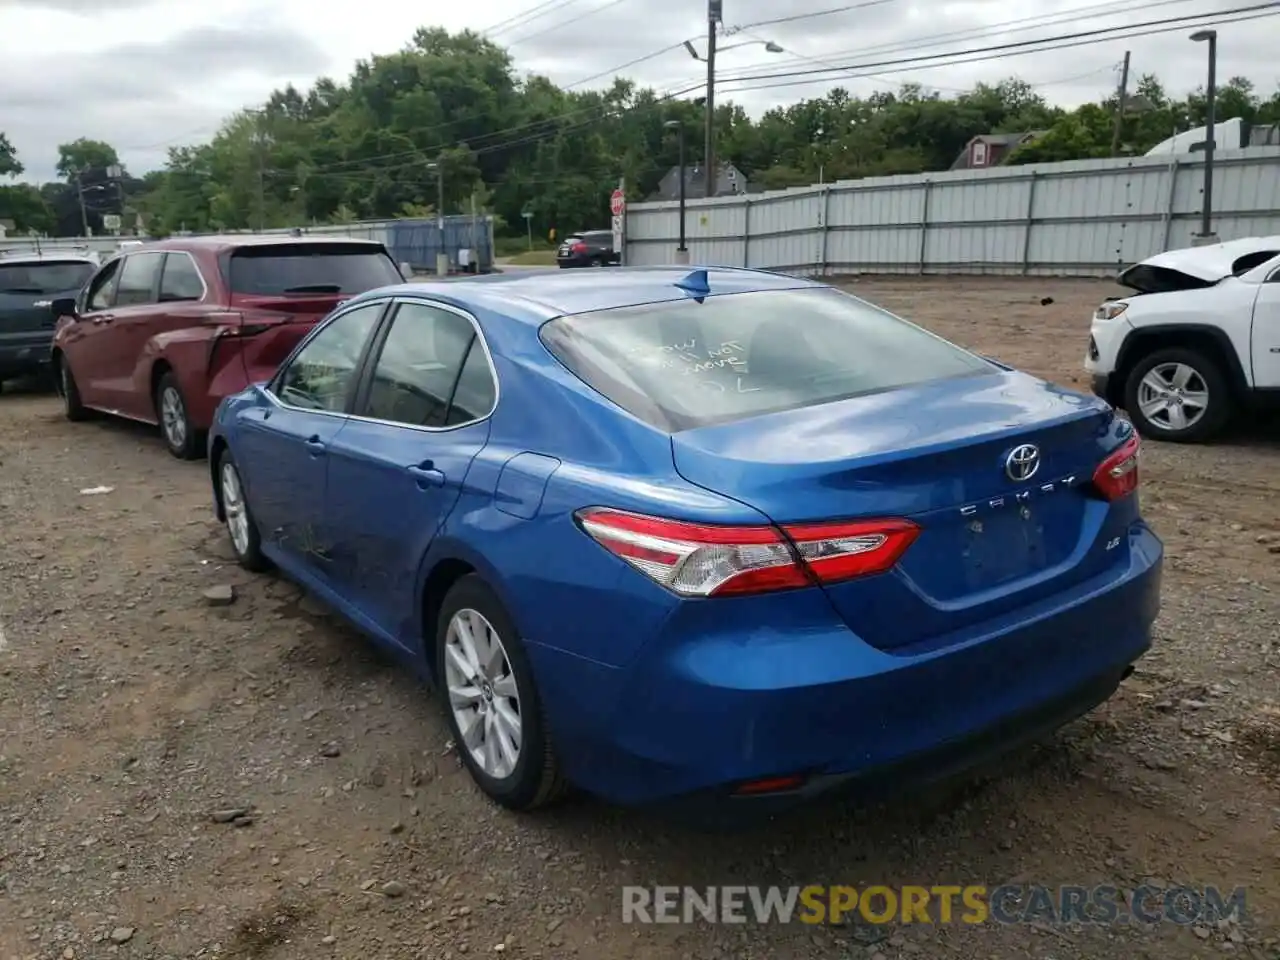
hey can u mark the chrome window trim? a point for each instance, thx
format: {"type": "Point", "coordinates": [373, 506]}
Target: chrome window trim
{"type": "Point", "coordinates": [397, 300]}
{"type": "Point", "coordinates": [199, 273]}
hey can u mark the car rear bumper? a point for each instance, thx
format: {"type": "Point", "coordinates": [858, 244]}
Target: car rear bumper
{"type": "Point", "coordinates": [688, 723]}
{"type": "Point", "coordinates": [578, 261]}
{"type": "Point", "coordinates": [25, 353]}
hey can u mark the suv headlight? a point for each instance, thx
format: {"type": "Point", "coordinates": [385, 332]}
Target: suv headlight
{"type": "Point", "coordinates": [1110, 310]}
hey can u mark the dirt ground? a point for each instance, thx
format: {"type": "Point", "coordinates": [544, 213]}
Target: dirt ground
{"type": "Point", "coordinates": [134, 715]}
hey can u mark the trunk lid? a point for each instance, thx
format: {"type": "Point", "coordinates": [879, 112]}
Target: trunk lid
{"type": "Point", "coordinates": [936, 454]}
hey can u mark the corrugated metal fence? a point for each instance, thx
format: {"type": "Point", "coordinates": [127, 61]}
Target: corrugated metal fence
{"type": "Point", "coordinates": [412, 241]}
{"type": "Point", "coordinates": [1082, 218]}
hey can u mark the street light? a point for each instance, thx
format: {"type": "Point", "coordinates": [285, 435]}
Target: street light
{"type": "Point", "coordinates": [1211, 123]}
{"type": "Point", "coordinates": [682, 252]}
{"type": "Point", "coordinates": [714, 17]}
{"type": "Point", "coordinates": [769, 46]}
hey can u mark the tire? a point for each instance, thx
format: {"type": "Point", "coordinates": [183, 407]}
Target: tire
{"type": "Point", "coordinates": [534, 780]}
{"type": "Point", "coordinates": [1199, 375]}
{"type": "Point", "coordinates": [72, 407]}
{"type": "Point", "coordinates": [181, 437]}
{"type": "Point", "coordinates": [242, 528]}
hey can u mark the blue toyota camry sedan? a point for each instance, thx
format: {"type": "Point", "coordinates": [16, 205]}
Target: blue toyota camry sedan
{"type": "Point", "coordinates": [715, 539]}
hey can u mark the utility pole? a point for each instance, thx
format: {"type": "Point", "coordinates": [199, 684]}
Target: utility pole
{"type": "Point", "coordinates": [1120, 104]}
{"type": "Point", "coordinates": [715, 13]}
{"type": "Point", "coordinates": [260, 153]}
{"type": "Point", "coordinates": [84, 211]}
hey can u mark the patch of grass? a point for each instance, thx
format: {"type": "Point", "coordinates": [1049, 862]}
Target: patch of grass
{"type": "Point", "coordinates": [535, 258]}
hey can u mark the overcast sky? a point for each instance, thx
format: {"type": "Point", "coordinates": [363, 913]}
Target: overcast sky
{"type": "Point", "coordinates": [148, 74]}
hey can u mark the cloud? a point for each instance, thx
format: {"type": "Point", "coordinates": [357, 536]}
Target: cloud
{"type": "Point", "coordinates": [144, 96]}
{"type": "Point", "coordinates": [70, 68]}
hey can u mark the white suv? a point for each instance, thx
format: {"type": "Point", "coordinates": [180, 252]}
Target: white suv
{"type": "Point", "coordinates": [1197, 342]}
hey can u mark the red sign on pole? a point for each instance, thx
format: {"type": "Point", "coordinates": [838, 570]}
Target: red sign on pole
{"type": "Point", "coordinates": [617, 203]}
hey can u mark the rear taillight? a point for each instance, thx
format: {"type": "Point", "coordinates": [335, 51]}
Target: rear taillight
{"type": "Point", "coordinates": [579, 248]}
{"type": "Point", "coordinates": [1117, 476]}
{"type": "Point", "coordinates": [704, 560]}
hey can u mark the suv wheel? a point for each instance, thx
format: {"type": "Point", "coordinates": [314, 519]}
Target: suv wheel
{"type": "Point", "coordinates": [1179, 395]}
{"type": "Point", "coordinates": [181, 437]}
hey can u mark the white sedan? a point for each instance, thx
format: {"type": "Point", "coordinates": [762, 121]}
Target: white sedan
{"type": "Point", "coordinates": [1196, 343]}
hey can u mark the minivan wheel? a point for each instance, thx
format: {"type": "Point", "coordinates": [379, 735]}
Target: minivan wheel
{"type": "Point", "coordinates": [241, 527]}
{"type": "Point", "coordinates": [491, 703]}
{"type": "Point", "coordinates": [1179, 395]}
{"type": "Point", "coordinates": [183, 440]}
{"type": "Point", "coordinates": [71, 404]}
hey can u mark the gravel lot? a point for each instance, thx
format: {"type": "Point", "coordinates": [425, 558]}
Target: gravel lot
{"type": "Point", "coordinates": [137, 717]}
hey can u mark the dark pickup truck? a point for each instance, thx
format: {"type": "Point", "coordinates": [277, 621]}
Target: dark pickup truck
{"type": "Point", "coordinates": [591, 248]}
{"type": "Point", "coordinates": [29, 283]}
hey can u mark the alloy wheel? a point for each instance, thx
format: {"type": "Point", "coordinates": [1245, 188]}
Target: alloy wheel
{"type": "Point", "coordinates": [1173, 396]}
{"type": "Point", "coordinates": [173, 416]}
{"type": "Point", "coordinates": [483, 694]}
{"type": "Point", "coordinates": [234, 508]}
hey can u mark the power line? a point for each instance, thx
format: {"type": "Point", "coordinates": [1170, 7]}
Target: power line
{"type": "Point", "coordinates": [1020, 25]}
{"type": "Point", "coordinates": [809, 16]}
{"type": "Point", "coordinates": [523, 17]}
{"type": "Point", "coordinates": [1066, 42]}
{"type": "Point", "coordinates": [563, 23]}
{"type": "Point", "coordinates": [1172, 23]}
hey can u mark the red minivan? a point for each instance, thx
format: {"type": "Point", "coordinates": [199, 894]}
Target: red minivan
{"type": "Point", "coordinates": [164, 331]}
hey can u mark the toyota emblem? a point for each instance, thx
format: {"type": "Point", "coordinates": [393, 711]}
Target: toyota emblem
{"type": "Point", "coordinates": [1022, 462]}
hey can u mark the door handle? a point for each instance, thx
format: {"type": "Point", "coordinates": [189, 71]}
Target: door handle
{"type": "Point", "coordinates": [104, 318]}
{"type": "Point", "coordinates": [427, 475]}
{"type": "Point", "coordinates": [315, 445]}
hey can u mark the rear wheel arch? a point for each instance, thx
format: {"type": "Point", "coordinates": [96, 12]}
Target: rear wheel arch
{"type": "Point", "coordinates": [1212, 342]}
{"type": "Point", "coordinates": [159, 368]}
{"type": "Point", "coordinates": [215, 476]}
{"type": "Point", "coordinates": [446, 564]}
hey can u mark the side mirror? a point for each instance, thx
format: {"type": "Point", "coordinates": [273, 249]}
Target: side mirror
{"type": "Point", "coordinates": [63, 307]}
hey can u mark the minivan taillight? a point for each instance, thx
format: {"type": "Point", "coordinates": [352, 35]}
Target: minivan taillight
{"type": "Point", "coordinates": [1117, 476]}
{"type": "Point", "coordinates": [706, 560]}
{"type": "Point", "coordinates": [579, 248]}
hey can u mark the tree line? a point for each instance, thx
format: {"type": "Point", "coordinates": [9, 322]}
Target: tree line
{"type": "Point", "coordinates": [448, 118]}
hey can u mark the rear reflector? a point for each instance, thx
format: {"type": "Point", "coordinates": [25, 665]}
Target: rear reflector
{"type": "Point", "coordinates": [1117, 475]}
{"type": "Point", "coordinates": [704, 560]}
{"type": "Point", "coordinates": [754, 788]}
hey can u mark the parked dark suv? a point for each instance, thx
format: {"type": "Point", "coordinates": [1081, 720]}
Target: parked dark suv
{"type": "Point", "coordinates": [591, 248]}
{"type": "Point", "coordinates": [29, 283]}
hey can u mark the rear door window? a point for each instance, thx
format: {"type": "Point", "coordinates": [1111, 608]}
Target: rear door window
{"type": "Point", "coordinates": [138, 278]}
{"type": "Point", "coordinates": [296, 269]}
{"type": "Point", "coordinates": [45, 277]}
{"type": "Point", "coordinates": [181, 279]}
{"type": "Point", "coordinates": [431, 370]}
{"type": "Point", "coordinates": [684, 364]}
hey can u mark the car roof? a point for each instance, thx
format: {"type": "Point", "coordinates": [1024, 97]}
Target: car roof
{"type": "Point", "coordinates": [537, 296]}
{"type": "Point", "coordinates": [221, 243]}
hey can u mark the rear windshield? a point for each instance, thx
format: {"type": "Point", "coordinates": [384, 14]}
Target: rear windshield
{"type": "Point", "coordinates": [685, 364]}
{"type": "Point", "coordinates": [47, 276]}
{"type": "Point", "coordinates": [283, 269]}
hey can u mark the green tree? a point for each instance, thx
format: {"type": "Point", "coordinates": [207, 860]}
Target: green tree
{"type": "Point", "coordinates": [10, 165]}
{"type": "Point", "coordinates": [84, 154]}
